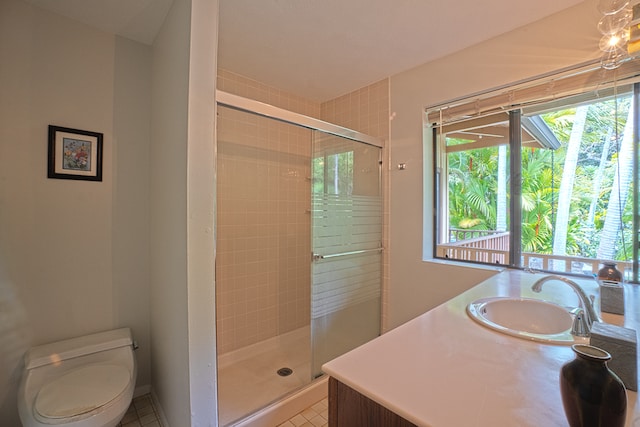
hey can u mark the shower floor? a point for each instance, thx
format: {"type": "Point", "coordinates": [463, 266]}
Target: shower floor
{"type": "Point", "coordinates": [248, 378]}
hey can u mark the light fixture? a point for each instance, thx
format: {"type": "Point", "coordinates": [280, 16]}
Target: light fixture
{"type": "Point", "coordinates": [618, 16]}
{"type": "Point", "coordinates": [610, 7]}
{"type": "Point", "coordinates": [612, 24]}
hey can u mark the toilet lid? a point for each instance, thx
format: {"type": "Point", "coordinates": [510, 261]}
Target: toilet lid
{"type": "Point", "coordinates": [81, 391]}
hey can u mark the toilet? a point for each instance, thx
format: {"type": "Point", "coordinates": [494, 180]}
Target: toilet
{"type": "Point", "coordinates": [86, 381]}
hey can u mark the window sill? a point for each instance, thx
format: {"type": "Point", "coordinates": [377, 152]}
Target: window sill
{"type": "Point", "coordinates": [463, 264]}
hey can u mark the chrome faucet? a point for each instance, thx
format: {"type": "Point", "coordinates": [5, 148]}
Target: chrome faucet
{"type": "Point", "coordinates": [590, 314]}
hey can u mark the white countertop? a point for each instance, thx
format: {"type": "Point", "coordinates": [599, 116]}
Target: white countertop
{"type": "Point", "coordinates": [443, 369]}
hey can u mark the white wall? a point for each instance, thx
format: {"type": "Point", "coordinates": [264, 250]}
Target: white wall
{"type": "Point", "coordinates": [201, 210]}
{"type": "Point", "coordinates": [130, 198]}
{"type": "Point", "coordinates": [182, 195]}
{"type": "Point", "coordinates": [64, 244]}
{"type": "Point", "coordinates": [564, 39]}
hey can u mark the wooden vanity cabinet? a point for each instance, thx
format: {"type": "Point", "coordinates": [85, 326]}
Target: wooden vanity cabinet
{"type": "Point", "coordinates": [349, 408]}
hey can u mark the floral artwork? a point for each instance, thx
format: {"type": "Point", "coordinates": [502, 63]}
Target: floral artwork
{"type": "Point", "coordinates": [76, 154]}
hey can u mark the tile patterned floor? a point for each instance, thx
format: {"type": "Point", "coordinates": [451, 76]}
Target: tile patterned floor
{"type": "Point", "coordinates": [315, 416]}
{"type": "Point", "coordinates": [142, 413]}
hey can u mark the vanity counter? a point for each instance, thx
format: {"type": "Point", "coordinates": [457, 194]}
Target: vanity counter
{"type": "Point", "coordinates": [443, 369]}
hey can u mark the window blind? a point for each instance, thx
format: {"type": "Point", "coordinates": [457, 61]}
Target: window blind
{"type": "Point", "coordinates": [542, 90]}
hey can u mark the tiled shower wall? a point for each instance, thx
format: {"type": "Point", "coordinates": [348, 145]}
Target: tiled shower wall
{"type": "Point", "coordinates": [365, 110]}
{"type": "Point", "coordinates": [263, 243]}
{"type": "Point", "coordinates": [263, 196]}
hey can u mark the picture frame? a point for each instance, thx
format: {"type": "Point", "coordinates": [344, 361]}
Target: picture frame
{"type": "Point", "coordinates": [74, 154]}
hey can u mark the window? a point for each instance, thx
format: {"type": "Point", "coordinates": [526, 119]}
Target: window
{"type": "Point", "coordinates": [538, 181]}
{"type": "Point", "coordinates": [333, 173]}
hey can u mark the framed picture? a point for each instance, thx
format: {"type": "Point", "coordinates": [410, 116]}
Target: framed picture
{"type": "Point", "coordinates": [74, 154]}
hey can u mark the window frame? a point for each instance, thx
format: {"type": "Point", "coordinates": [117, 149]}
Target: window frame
{"type": "Point", "coordinates": [515, 170]}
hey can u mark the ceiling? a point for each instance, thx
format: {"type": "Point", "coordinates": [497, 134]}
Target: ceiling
{"type": "Point", "coordinates": [321, 49]}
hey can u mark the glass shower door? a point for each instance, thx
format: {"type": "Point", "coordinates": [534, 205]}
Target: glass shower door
{"type": "Point", "coordinates": [347, 246]}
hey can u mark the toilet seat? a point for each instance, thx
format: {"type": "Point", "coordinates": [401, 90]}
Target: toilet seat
{"type": "Point", "coordinates": [80, 392]}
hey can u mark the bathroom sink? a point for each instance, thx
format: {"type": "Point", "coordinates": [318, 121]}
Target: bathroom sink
{"type": "Point", "coordinates": [526, 318]}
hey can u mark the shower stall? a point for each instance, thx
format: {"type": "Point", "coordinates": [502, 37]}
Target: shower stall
{"type": "Point", "coordinates": [298, 250]}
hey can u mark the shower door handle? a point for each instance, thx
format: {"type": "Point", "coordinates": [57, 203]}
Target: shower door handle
{"type": "Point", "coordinates": [318, 257]}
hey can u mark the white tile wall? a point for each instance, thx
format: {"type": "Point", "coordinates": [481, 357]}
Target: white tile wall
{"type": "Point", "coordinates": [263, 247]}
{"type": "Point", "coordinates": [263, 271]}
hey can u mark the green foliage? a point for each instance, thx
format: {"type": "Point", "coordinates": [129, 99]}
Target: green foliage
{"type": "Point", "coordinates": [473, 184]}
{"type": "Point", "coordinates": [472, 189]}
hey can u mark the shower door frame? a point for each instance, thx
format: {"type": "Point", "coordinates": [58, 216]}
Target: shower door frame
{"type": "Point", "coordinates": [258, 108]}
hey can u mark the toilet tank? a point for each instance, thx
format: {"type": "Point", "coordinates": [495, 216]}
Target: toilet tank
{"type": "Point", "coordinates": [56, 352]}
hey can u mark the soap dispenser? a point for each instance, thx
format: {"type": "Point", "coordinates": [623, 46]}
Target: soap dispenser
{"type": "Point", "coordinates": [611, 289]}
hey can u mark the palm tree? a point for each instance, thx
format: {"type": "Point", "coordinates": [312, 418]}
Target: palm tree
{"type": "Point", "coordinates": [472, 189]}
{"type": "Point", "coordinates": [537, 190]}
{"type": "Point", "coordinates": [619, 192]}
{"type": "Point", "coordinates": [501, 208]}
{"type": "Point", "coordinates": [597, 180]}
{"type": "Point", "coordinates": [568, 178]}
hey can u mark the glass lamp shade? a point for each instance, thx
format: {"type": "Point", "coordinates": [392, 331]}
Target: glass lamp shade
{"type": "Point", "coordinates": [609, 7]}
{"type": "Point", "coordinates": [614, 23]}
{"type": "Point", "coordinates": [613, 58]}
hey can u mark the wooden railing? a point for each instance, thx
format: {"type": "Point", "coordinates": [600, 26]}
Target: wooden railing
{"type": "Point", "coordinates": [571, 264]}
{"type": "Point", "coordinates": [477, 245]}
{"type": "Point", "coordinates": [492, 247]}
{"type": "Point", "coordinates": [459, 234]}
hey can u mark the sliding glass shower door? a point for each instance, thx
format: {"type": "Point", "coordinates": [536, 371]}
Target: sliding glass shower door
{"type": "Point", "coordinates": [347, 246]}
{"type": "Point", "coordinates": [279, 176]}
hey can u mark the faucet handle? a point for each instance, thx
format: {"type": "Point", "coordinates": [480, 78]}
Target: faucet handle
{"type": "Point", "coordinates": [580, 327]}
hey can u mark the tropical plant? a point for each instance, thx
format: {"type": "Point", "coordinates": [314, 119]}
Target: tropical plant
{"type": "Point", "coordinates": [575, 214]}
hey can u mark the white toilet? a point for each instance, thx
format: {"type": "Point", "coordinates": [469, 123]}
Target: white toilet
{"type": "Point", "coordinates": [86, 381]}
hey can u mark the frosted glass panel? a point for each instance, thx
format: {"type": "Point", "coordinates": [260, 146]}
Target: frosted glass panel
{"type": "Point", "coordinates": [346, 238]}
{"type": "Point", "coordinates": [353, 228]}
